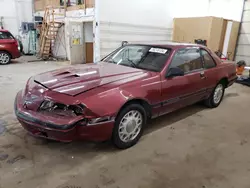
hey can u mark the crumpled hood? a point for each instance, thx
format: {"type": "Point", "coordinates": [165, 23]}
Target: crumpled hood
{"type": "Point", "coordinates": [81, 78]}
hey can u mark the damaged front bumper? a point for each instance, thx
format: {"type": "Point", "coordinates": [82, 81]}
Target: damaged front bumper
{"type": "Point", "coordinates": [60, 129]}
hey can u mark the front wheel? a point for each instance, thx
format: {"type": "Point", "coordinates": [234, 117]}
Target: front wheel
{"type": "Point", "coordinates": [129, 126]}
{"type": "Point", "coordinates": [216, 96]}
{"type": "Point", "coordinates": [4, 58]}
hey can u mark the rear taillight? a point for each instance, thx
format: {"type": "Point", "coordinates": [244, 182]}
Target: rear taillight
{"type": "Point", "coordinates": [16, 43]}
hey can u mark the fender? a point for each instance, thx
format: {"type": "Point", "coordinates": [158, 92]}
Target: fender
{"type": "Point", "coordinates": [110, 102]}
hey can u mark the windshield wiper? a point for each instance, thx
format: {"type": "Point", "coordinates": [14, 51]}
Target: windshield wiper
{"type": "Point", "coordinates": [111, 61]}
{"type": "Point", "coordinates": [132, 63]}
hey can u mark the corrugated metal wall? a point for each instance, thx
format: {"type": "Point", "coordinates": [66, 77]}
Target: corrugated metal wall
{"type": "Point", "coordinates": [243, 48]}
{"type": "Point", "coordinates": [112, 34]}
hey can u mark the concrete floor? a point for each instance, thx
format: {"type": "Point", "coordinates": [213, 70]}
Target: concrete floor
{"type": "Point", "coordinates": [192, 148]}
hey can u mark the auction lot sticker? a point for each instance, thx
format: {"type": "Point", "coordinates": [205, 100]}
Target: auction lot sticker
{"type": "Point", "coordinates": [158, 50]}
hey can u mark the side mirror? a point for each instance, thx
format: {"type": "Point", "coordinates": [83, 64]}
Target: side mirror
{"type": "Point", "coordinates": [173, 72]}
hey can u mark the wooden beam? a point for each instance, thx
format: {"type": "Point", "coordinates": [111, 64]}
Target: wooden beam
{"type": "Point", "coordinates": [65, 7]}
{"type": "Point", "coordinates": [76, 7]}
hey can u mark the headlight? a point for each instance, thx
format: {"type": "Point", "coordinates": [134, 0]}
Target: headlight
{"type": "Point", "coordinates": [61, 109]}
{"type": "Point", "coordinates": [47, 104]}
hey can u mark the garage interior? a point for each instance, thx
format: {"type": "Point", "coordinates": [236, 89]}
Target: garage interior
{"type": "Point", "coordinates": [194, 147]}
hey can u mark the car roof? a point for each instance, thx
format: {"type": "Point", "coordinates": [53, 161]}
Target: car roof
{"type": "Point", "coordinates": [172, 45]}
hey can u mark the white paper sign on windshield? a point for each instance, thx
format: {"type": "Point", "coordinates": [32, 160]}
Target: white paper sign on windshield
{"type": "Point", "coordinates": [158, 50]}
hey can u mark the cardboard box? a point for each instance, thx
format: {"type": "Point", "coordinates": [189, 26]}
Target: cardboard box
{"type": "Point", "coordinates": [221, 34]}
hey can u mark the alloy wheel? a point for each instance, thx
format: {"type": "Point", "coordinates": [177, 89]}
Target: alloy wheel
{"type": "Point", "coordinates": [218, 93]}
{"type": "Point", "coordinates": [4, 58]}
{"type": "Point", "coordinates": [130, 126]}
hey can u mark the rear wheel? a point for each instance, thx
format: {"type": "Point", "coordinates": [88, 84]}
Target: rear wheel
{"type": "Point", "coordinates": [4, 58]}
{"type": "Point", "coordinates": [129, 126]}
{"type": "Point", "coordinates": [216, 96]}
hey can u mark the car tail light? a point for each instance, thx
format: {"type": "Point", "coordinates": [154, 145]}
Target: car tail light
{"type": "Point", "coordinates": [16, 43]}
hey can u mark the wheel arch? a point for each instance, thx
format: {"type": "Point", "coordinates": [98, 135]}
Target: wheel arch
{"type": "Point", "coordinates": [7, 53]}
{"type": "Point", "coordinates": [224, 81]}
{"type": "Point", "coordinates": [144, 103]}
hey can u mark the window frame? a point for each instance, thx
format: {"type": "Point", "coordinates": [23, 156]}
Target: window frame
{"type": "Point", "coordinates": [189, 72]}
{"type": "Point", "coordinates": [215, 64]}
{"type": "Point", "coordinates": [7, 32]}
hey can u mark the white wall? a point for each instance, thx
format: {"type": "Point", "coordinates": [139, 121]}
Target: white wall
{"type": "Point", "coordinates": [190, 8]}
{"type": "Point", "coordinates": [228, 9]}
{"type": "Point", "coordinates": [151, 20]}
{"type": "Point", "coordinates": [243, 46]}
{"type": "Point", "coordinates": [135, 21]}
{"type": "Point", "coordinates": [14, 12]}
{"type": "Point", "coordinates": [138, 12]}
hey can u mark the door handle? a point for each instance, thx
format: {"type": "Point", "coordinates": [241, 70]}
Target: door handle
{"type": "Point", "coordinates": [202, 75]}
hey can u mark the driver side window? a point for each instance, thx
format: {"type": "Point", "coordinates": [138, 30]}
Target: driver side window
{"type": "Point", "coordinates": [188, 59]}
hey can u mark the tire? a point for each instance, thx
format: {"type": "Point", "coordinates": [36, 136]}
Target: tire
{"type": "Point", "coordinates": [5, 58]}
{"type": "Point", "coordinates": [127, 133]}
{"type": "Point", "coordinates": [214, 99]}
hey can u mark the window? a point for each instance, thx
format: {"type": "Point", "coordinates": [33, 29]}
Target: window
{"type": "Point", "coordinates": [188, 59]}
{"type": "Point", "coordinates": [208, 60]}
{"type": "Point", "coordinates": [5, 35]}
{"type": "Point", "coordinates": [141, 57]}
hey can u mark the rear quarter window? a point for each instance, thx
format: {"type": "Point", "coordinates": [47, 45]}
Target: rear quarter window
{"type": "Point", "coordinates": [208, 60]}
{"type": "Point", "coordinates": [6, 35]}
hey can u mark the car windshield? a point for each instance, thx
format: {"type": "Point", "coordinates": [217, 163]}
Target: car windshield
{"type": "Point", "coordinates": [139, 56]}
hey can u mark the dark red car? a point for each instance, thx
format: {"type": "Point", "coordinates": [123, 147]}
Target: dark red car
{"type": "Point", "coordinates": [8, 47]}
{"type": "Point", "coordinates": [113, 99]}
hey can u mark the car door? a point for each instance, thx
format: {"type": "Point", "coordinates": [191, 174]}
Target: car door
{"type": "Point", "coordinates": [210, 71]}
{"type": "Point", "coordinates": [183, 90]}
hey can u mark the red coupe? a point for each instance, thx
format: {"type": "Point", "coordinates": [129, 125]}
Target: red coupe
{"type": "Point", "coordinates": [114, 98]}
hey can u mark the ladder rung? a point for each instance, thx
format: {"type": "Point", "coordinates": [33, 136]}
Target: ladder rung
{"type": "Point", "coordinates": [54, 25]}
{"type": "Point", "coordinates": [51, 34]}
{"type": "Point", "coordinates": [50, 37]}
